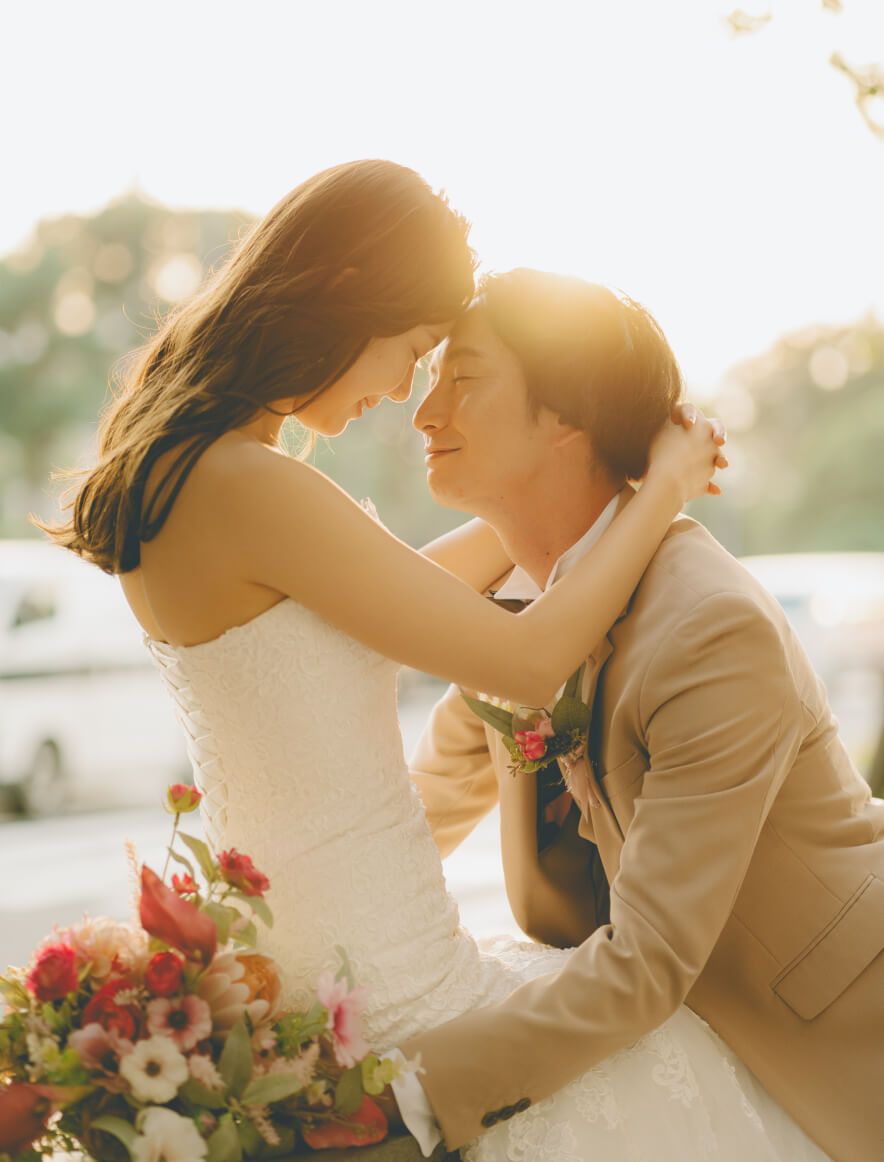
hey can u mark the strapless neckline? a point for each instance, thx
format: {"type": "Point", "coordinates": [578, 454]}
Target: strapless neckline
{"type": "Point", "coordinates": [224, 636]}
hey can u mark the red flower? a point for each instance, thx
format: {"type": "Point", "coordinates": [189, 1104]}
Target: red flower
{"type": "Point", "coordinates": [185, 885]}
{"type": "Point", "coordinates": [367, 1126]}
{"type": "Point", "coordinates": [175, 921]}
{"type": "Point", "coordinates": [531, 744]}
{"type": "Point", "coordinates": [54, 973]}
{"type": "Point", "coordinates": [239, 871]}
{"type": "Point", "coordinates": [181, 798]}
{"type": "Point", "coordinates": [24, 1112]}
{"type": "Point", "coordinates": [163, 975]}
{"type": "Point", "coordinates": [104, 1010]}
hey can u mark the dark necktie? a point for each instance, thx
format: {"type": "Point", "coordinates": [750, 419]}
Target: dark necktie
{"type": "Point", "coordinates": [553, 799]}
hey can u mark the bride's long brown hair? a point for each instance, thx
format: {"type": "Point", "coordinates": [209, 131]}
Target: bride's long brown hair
{"type": "Point", "coordinates": [360, 251]}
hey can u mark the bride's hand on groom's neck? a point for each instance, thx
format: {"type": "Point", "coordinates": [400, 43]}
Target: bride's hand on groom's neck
{"type": "Point", "coordinates": [686, 454]}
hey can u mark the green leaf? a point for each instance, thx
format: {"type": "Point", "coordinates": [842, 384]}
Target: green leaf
{"type": "Point", "coordinates": [349, 1092]}
{"type": "Point", "coordinates": [496, 717]}
{"type": "Point", "coordinates": [270, 1088]}
{"type": "Point", "coordinates": [224, 1144]}
{"type": "Point", "coordinates": [223, 917]}
{"type": "Point", "coordinates": [247, 935]}
{"type": "Point", "coordinates": [117, 1128]}
{"type": "Point", "coordinates": [345, 972]}
{"type": "Point", "coordinates": [14, 993]}
{"type": "Point", "coordinates": [258, 905]}
{"type": "Point", "coordinates": [197, 1094]}
{"type": "Point", "coordinates": [570, 714]}
{"type": "Point", "coordinates": [182, 860]}
{"type": "Point", "coordinates": [250, 1141]}
{"type": "Point", "coordinates": [202, 854]}
{"type": "Point", "coordinates": [235, 1065]}
{"type": "Point", "coordinates": [295, 1029]}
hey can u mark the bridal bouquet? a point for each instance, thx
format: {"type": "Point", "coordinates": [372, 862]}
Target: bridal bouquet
{"type": "Point", "coordinates": [166, 1040]}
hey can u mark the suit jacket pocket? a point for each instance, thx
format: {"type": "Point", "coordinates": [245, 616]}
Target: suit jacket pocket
{"type": "Point", "coordinates": [836, 957]}
{"type": "Point", "coordinates": [620, 778]}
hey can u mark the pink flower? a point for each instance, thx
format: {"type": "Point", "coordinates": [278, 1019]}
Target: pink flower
{"type": "Point", "coordinates": [187, 1020]}
{"type": "Point", "coordinates": [545, 728]}
{"type": "Point", "coordinates": [531, 744]}
{"type": "Point", "coordinates": [108, 947]}
{"type": "Point", "coordinates": [344, 1018]}
{"type": "Point", "coordinates": [54, 973]}
{"type": "Point", "coordinates": [99, 1048]}
{"type": "Point", "coordinates": [181, 798]}
{"type": "Point", "coordinates": [239, 871]}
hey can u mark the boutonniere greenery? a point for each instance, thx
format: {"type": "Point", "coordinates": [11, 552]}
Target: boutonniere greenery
{"type": "Point", "coordinates": [535, 738]}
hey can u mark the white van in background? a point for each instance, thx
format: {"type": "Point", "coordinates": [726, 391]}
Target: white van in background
{"type": "Point", "coordinates": [84, 716]}
{"type": "Point", "coordinates": [835, 602]}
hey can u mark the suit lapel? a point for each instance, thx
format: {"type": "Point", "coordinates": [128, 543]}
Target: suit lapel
{"type": "Point", "coordinates": [602, 824]}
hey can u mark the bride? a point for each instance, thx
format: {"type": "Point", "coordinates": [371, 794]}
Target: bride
{"type": "Point", "coordinates": [279, 612]}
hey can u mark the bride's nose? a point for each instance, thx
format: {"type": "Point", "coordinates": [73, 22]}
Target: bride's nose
{"type": "Point", "coordinates": [403, 391]}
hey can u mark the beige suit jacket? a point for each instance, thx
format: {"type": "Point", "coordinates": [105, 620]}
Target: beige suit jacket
{"type": "Point", "coordinates": [745, 856]}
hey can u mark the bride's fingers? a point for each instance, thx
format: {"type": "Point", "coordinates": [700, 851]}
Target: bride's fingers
{"type": "Point", "coordinates": [719, 432]}
{"type": "Point", "coordinates": [685, 414]}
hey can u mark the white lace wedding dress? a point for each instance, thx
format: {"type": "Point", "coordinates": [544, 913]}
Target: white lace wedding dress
{"type": "Point", "coordinates": [295, 743]}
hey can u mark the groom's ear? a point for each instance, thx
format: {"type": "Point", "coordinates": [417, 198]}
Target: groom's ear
{"type": "Point", "coordinates": [565, 434]}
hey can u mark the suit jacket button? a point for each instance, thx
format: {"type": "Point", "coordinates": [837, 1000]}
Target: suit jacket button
{"type": "Point", "coordinates": [522, 1104]}
{"type": "Point", "coordinates": [507, 1111]}
{"type": "Point", "coordinates": [489, 1119]}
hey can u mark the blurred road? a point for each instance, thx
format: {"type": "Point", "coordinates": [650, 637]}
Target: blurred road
{"type": "Point", "coordinates": [55, 870]}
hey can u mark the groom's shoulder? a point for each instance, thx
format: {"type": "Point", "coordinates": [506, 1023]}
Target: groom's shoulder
{"type": "Point", "coordinates": [692, 571]}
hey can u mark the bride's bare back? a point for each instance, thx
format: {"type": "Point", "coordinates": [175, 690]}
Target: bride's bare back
{"type": "Point", "coordinates": [190, 586]}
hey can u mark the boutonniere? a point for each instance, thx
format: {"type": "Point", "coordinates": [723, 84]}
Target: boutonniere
{"type": "Point", "coordinates": [535, 738]}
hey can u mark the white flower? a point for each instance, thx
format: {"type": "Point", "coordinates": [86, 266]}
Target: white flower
{"type": "Point", "coordinates": [167, 1137]}
{"type": "Point", "coordinates": [302, 1067]}
{"type": "Point", "coordinates": [154, 1069]}
{"type": "Point", "coordinates": [203, 1069]}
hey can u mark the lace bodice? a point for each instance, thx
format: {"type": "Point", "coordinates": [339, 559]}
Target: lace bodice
{"type": "Point", "coordinates": [294, 739]}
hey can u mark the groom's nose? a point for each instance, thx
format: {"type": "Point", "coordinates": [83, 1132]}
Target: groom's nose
{"type": "Point", "coordinates": [432, 410]}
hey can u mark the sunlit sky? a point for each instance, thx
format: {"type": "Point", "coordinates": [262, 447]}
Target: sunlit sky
{"type": "Point", "coordinates": [728, 183]}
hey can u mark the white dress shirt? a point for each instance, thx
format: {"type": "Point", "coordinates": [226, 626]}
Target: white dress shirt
{"type": "Point", "coordinates": [411, 1098]}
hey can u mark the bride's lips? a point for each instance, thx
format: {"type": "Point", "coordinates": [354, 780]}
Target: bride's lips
{"type": "Point", "coordinates": [432, 454]}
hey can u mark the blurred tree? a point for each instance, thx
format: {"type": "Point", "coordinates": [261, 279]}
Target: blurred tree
{"type": "Point", "coordinates": [77, 297]}
{"type": "Point", "coordinates": [806, 422]}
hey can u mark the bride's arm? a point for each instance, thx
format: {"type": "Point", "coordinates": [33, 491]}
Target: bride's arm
{"type": "Point", "coordinates": [330, 556]}
{"type": "Point", "coordinates": [472, 552]}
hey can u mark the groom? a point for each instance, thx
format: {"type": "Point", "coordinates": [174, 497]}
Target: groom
{"type": "Point", "coordinates": [723, 850]}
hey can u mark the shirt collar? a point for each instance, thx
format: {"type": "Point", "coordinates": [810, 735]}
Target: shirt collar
{"type": "Point", "coordinates": [519, 586]}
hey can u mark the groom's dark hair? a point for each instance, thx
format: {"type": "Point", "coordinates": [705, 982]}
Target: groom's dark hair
{"type": "Point", "coordinates": [599, 360]}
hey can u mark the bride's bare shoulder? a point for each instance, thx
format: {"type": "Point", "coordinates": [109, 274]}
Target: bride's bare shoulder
{"type": "Point", "coordinates": [250, 472]}
{"type": "Point", "coordinates": [232, 465]}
